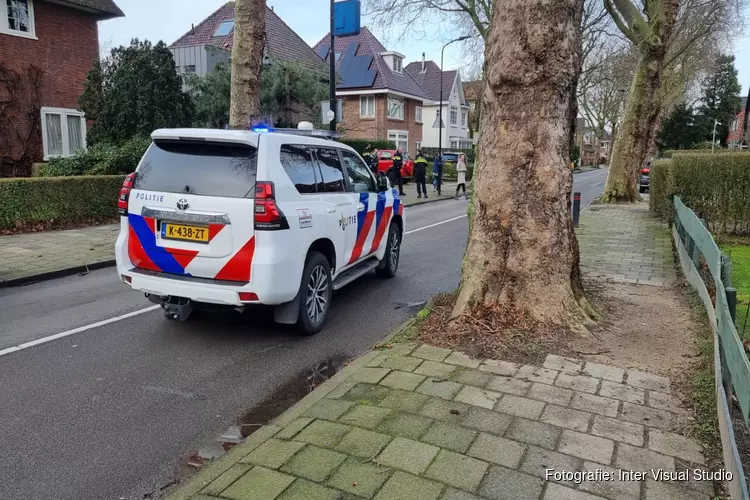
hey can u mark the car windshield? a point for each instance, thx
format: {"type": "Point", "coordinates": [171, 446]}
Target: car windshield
{"type": "Point", "coordinates": [200, 168]}
{"type": "Point", "coordinates": [386, 156]}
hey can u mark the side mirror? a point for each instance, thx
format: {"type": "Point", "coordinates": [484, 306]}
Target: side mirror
{"type": "Point", "coordinates": [382, 183]}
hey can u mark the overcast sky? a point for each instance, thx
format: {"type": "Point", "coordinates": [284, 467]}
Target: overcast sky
{"type": "Point", "coordinates": [167, 20]}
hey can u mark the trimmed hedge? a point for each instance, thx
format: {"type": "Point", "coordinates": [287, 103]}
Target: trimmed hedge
{"type": "Point", "coordinates": [361, 144]}
{"type": "Point", "coordinates": [64, 200]}
{"type": "Point", "coordinates": [661, 189]}
{"type": "Point", "coordinates": [101, 159]}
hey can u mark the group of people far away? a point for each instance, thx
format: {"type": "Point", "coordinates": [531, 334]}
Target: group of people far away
{"type": "Point", "coordinates": [420, 171]}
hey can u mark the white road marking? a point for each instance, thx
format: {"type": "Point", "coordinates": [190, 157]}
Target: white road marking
{"type": "Point", "coordinates": [80, 329]}
{"type": "Point", "coordinates": [435, 225]}
{"type": "Point", "coordinates": [145, 310]}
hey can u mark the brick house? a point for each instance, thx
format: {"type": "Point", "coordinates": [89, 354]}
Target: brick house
{"type": "Point", "coordinates": [46, 51]}
{"type": "Point", "coordinates": [736, 134]}
{"type": "Point", "coordinates": [379, 99]}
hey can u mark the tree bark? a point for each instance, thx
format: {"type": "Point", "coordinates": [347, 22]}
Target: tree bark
{"type": "Point", "coordinates": [247, 61]}
{"type": "Point", "coordinates": [638, 127]}
{"type": "Point", "coordinates": [522, 252]}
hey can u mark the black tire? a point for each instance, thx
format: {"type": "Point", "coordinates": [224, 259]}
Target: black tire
{"type": "Point", "coordinates": [389, 265]}
{"type": "Point", "coordinates": [642, 189]}
{"type": "Point", "coordinates": [316, 286]}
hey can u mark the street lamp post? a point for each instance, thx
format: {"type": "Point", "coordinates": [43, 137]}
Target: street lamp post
{"type": "Point", "coordinates": [440, 114]}
{"type": "Point", "coordinates": [713, 143]}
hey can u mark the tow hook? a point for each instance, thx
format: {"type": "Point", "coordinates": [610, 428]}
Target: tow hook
{"type": "Point", "coordinates": [178, 308]}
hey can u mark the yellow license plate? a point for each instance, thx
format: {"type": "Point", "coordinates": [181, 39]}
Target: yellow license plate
{"type": "Point", "coordinates": [186, 233]}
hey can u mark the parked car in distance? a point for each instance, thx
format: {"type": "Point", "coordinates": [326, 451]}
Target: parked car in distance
{"type": "Point", "coordinates": [645, 181]}
{"type": "Point", "coordinates": [385, 162]}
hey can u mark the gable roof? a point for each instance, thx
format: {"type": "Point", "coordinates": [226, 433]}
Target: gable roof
{"type": "Point", "coordinates": [105, 9]}
{"type": "Point", "coordinates": [369, 45]}
{"type": "Point", "coordinates": [430, 78]}
{"type": "Point", "coordinates": [282, 42]}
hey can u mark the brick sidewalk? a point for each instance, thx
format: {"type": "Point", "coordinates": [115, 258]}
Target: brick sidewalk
{"type": "Point", "coordinates": [425, 423]}
{"type": "Point", "coordinates": [624, 244]}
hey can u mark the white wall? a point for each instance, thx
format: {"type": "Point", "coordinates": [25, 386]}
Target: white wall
{"type": "Point", "coordinates": [430, 135]}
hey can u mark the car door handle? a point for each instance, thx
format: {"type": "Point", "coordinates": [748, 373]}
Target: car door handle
{"type": "Point", "coordinates": [361, 207]}
{"type": "Point", "coordinates": [331, 210]}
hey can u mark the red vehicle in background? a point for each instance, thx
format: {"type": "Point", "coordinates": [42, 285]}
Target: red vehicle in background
{"type": "Point", "coordinates": [385, 162]}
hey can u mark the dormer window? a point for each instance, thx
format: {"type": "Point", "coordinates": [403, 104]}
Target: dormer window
{"type": "Point", "coordinates": [397, 64]}
{"type": "Point", "coordinates": [394, 60]}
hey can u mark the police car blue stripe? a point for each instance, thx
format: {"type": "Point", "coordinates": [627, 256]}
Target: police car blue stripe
{"type": "Point", "coordinates": [159, 256]}
{"type": "Point", "coordinates": [364, 198]}
{"type": "Point", "coordinates": [379, 208]}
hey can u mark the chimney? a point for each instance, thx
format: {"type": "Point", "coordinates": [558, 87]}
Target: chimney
{"type": "Point", "coordinates": [422, 62]}
{"type": "Point", "coordinates": [272, 9]}
{"type": "Point", "coordinates": [192, 29]}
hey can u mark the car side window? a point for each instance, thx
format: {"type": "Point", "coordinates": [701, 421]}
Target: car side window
{"type": "Point", "coordinates": [330, 170]}
{"type": "Point", "coordinates": [299, 165]}
{"type": "Point", "coordinates": [359, 175]}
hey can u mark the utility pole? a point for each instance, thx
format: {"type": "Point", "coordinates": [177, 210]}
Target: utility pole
{"type": "Point", "coordinates": [713, 142]}
{"type": "Point", "coordinates": [332, 74]}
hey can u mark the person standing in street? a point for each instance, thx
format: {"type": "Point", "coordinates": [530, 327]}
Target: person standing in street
{"type": "Point", "coordinates": [398, 163]}
{"type": "Point", "coordinates": [367, 155]}
{"type": "Point", "coordinates": [374, 162]}
{"type": "Point", "coordinates": [420, 174]}
{"type": "Point", "coordinates": [461, 171]}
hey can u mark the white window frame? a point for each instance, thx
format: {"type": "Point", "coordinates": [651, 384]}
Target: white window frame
{"type": "Point", "coordinates": [454, 115]}
{"type": "Point", "coordinates": [398, 64]}
{"type": "Point", "coordinates": [464, 118]}
{"type": "Point", "coordinates": [418, 145]}
{"type": "Point", "coordinates": [5, 26]}
{"type": "Point", "coordinates": [400, 114]}
{"type": "Point", "coordinates": [418, 114]}
{"type": "Point", "coordinates": [367, 100]}
{"type": "Point", "coordinates": [400, 137]}
{"type": "Point", "coordinates": [64, 114]}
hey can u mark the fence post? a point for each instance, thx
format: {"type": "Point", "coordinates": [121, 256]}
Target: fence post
{"type": "Point", "coordinates": [576, 208]}
{"type": "Point", "coordinates": [732, 303]}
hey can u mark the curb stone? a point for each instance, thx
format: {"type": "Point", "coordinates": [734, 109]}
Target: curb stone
{"type": "Point", "coordinates": [434, 200]}
{"type": "Point", "coordinates": [61, 273]}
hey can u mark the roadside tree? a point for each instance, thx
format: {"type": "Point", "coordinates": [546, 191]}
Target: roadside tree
{"type": "Point", "coordinates": [247, 61]}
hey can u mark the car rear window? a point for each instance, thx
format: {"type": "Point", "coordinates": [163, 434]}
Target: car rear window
{"type": "Point", "coordinates": [386, 156]}
{"type": "Point", "coordinates": [199, 168]}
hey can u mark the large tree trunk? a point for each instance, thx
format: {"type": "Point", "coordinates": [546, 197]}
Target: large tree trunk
{"type": "Point", "coordinates": [522, 252]}
{"type": "Point", "coordinates": [247, 61]}
{"type": "Point", "coordinates": [638, 127]}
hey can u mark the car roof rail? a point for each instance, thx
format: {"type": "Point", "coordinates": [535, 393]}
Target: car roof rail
{"type": "Point", "coordinates": [325, 134]}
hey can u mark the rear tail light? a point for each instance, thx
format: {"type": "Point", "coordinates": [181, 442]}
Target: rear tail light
{"type": "Point", "coordinates": [645, 171]}
{"type": "Point", "coordinates": [248, 297]}
{"type": "Point", "coordinates": [268, 216]}
{"type": "Point", "coordinates": [122, 199]}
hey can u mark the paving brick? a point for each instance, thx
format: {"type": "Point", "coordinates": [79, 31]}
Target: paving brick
{"type": "Point", "coordinates": [457, 470]}
{"type": "Point", "coordinates": [405, 400]}
{"type": "Point", "coordinates": [431, 353]}
{"type": "Point", "coordinates": [440, 409]}
{"type": "Point", "coordinates": [341, 389]}
{"type": "Point", "coordinates": [258, 484]}
{"type": "Point", "coordinates": [322, 433]}
{"type": "Point", "coordinates": [226, 479]}
{"type": "Point", "coordinates": [676, 446]}
{"type": "Point", "coordinates": [405, 425]}
{"type": "Point", "coordinates": [406, 454]}
{"type": "Point", "coordinates": [595, 404]}
{"type": "Point", "coordinates": [314, 463]}
{"type": "Point", "coordinates": [580, 383]}
{"type": "Point", "coordinates": [565, 365]}
{"type": "Point", "coordinates": [520, 407]}
{"type": "Point", "coordinates": [487, 420]}
{"type": "Point", "coordinates": [567, 418]}
{"type": "Point", "coordinates": [585, 446]}
{"type": "Point", "coordinates": [407, 487]}
{"type": "Point", "coordinates": [605, 372]}
{"type": "Point", "coordinates": [439, 387]}
{"type": "Point", "coordinates": [509, 385]}
{"type": "Point", "coordinates": [650, 417]}
{"type": "Point", "coordinates": [662, 401]}
{"type": "Point", "coordinates": [363, 443]}
{"type": "Point", "coordinates": [505, 484]}
{"type": "Point", "coordinates": [630, 457]}
{"type": "Point", "coordinates": [362, 479]}
{"type": "Point", "coordinates": [369, 375]}
{"type": "Point", "coordinates": [273, 453]}
{"type": "Point", "coordinates": [403, 363]}
{"type": "Point", "coordinates": [660, 490]}
{"type": "Point", "coordinates": [497, 450]}
{"type": "Point", "coordinates": [453, 494]}
{"type": "Point", "coordinates": [293, 428]}
{"type": "Point", "coordinates": [303, 489]}
{"type": "Point", "coordinates": [505, 368]}
{"type": "Point", "coordinates": [404, 349]}
{"type": "Point", "coordinates": [329, 409]}
{"type": "Point", "coordinates": [450, 436]}
{"type": "Point", "coordinates": [550, 394]}
{"type": "Point", "coordinates": [559, 492]}
{"type": "Point", "coordinates": [531, 432]}
{"type": "Point", "coordinates": [367, 394]}
{"type": "Point", "coordinates": [537, 461]}
{"type": "Point", "coordinates": [622, 392]}
{"type": "Point", "coordinates": [435, 369]}
{"type": "Point", "coordinates": [645, 380]}
{"type": "Point", "coordinates": [478, 397]}
{"type": "Point", "coordinates": [614, 489]}
{"type": "Point", "coordinates": [365, 416]}
{"type": "Point", "coordinates": [536, 374]}
{"type": "Point", "coordinates": [471, 377]}
{"type": "Point", "coordinates": [402, 380]}
{"type": "Point", "coordinates": [460, 359]}
{"type": "Point", "coordinates": [618, 430]}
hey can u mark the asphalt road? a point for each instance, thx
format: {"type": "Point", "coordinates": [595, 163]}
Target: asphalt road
{"type": "Point", "coordinates": [108, 409]}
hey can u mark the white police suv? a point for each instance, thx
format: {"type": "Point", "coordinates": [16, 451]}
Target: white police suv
{"type": "Point", "coordinates": [232, 218]}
